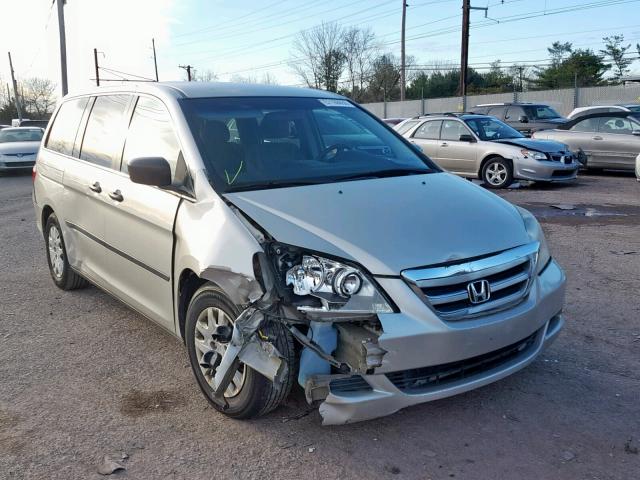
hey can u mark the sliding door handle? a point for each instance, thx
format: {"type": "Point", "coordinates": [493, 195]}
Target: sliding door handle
{"type": "Point", "coordinates": [116, 195]}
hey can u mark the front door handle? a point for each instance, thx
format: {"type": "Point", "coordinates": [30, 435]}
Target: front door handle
{"type": "Point", "coordinates": [444, 144]}
{"type": "Point", "coordinates": [116, 195]}
{"type": "Point", "coordinates": [597, 137]}
{"type": "Point", "coordinates": [95, 187]}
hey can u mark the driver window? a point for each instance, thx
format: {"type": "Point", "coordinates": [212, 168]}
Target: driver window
{"type": "Point", "coordinates": [452, 129]}
{"type": "Point", "coordinates": [616, 125]}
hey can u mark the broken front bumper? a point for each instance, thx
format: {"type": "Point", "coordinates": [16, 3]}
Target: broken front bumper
{"type": "Point", "coordinates": [428, 358]}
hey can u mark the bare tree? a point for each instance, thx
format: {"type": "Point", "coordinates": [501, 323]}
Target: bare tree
{"type": "Point", "coordinates": [38, 96]}
{"type": "Point", "coordinates": [319, 58]}
{"type": "Point", "coordinates": [205, 76]}
{"type": "Point", "coordinates": [360, 49]}
{"type": "Point", "coordinates": [269, 78]}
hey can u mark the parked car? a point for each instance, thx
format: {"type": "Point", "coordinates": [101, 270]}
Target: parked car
{"type": "Point", "coordinates": [638, 167]}
{"type": "Point", "coordinates": [230, 216]}
{"type": "Point", "coordinates": [18, 147]}
{"type": "Point", "coordinates": [481, 146]}
{"type": "Point", "coordinates": [27, 122]}
{"type": "Point", "coordinates": [609, 140]}
{"type": "Point", "coordinates": [582, 111]}
{"type": "Point", "coordinates": [4, 126]}
{"type": "Point", "coordinates": [393, 121]}
{"type": "Point", "coordinates": [524, 117]}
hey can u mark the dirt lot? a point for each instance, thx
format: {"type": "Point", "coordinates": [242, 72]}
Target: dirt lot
{"type": "Point", "coordinates": [82, 376]}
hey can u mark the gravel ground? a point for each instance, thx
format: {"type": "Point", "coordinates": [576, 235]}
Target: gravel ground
{"type": "Point", "coordinates": [82, 376]}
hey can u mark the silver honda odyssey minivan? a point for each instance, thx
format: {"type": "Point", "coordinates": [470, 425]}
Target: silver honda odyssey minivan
{"type": "Point", "coordinates": [288, 236]}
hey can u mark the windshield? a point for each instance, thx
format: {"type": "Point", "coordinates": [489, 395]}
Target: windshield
{"type": "Point", "coordinates": [541, 112]}
{"type": "Point", "coordinates": [20, 135]}
{"type": "Point", "coordinates": [634, 108]}
{"type": "Point", "coordinates": [489, 128]}
{"type": "Point", "coordinates": [251, 143]}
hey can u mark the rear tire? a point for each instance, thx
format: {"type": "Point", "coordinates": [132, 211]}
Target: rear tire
{"type": "Point", "coordinates": [255, 395]}
{"type": "Point", "coordinates": [497, 172]}
{"type": "Point", "coordinates": [62, 274]}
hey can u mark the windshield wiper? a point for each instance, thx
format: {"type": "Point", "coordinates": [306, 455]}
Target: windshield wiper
{"type": "Point", "coordinates": [392, 172]}
{"type": "Point", "coordinates": [272, 184]}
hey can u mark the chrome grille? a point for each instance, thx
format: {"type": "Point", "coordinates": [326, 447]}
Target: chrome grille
{"type": "Point", "coordinates": [446, 288]}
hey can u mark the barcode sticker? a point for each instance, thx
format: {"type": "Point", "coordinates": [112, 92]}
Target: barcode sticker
{"type": "Point", "coordinates": [335, 102]}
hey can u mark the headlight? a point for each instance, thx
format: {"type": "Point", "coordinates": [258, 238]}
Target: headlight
{"type": "Point", "coordinates": [532, 154]}
{"type": "Point", "coordinates": [339, 287]}
{"type": "Point", "coordinates": [534, 230]}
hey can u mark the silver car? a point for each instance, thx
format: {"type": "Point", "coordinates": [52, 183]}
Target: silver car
{"type": "Point", "coordinates": [481, 146]}
{"type": "Point", "coordinates": [609, 140]}
{"type": "Point", "coordinates": [19, 147]}
{"type": "Point", "coordinates": [288, 236]}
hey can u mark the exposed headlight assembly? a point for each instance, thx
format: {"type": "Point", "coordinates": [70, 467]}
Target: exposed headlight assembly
{"type": "Point", "coordinates": [533, 154]}
{"type": "Point", "coordinates": [534, 230]}
{"type": "Point", "coordinates": [339, 287]}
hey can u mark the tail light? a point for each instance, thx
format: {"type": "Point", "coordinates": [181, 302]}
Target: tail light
{"type": "Point", "coordinates": [34, 171]}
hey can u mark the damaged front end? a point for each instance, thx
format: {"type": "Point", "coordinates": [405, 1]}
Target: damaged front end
{"type": "Point", "coordinates": [330, 309]}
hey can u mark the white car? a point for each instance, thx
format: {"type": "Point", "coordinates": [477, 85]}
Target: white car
{"type": "Point", "coordinates": [19, 147]}
{"type": "Point", "coordinates": [582, 111]}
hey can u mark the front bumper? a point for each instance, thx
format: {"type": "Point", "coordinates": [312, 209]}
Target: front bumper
{"type": "Point", "coordinates": [21, 165]}
{"type": "Point", "coordinates": [544, 170]}
{"type": "Point", "coordinates": [417, 338]}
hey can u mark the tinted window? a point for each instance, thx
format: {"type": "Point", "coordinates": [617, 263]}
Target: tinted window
{"type": "Point", "coordinates": [151, 134]}
{"type": "Point", "coordinates": [616, 125]}
{"type": "Point", "coordinates": [586, 125]}
{"type": "Point", "coordinates": [280, 141]}
{"type": "Point", "coordinates": [541, 112]}
{"type": "Point", "coordinates": [496, 112]}
{"type": "Point", "coordinates": [105, 130]}
{"type": "Point", "coordinates": [63, 132]}
{"type": "Point", "coordinates": [20, 135]}
{"type": "Point", "coordinates": [429, 130]}
{"type": "Point", "coordinates": [452, 129]}
{"type": "Point", "coordinates": [514, 113]}
{"type": "Point", "coordinates": [406, 126]}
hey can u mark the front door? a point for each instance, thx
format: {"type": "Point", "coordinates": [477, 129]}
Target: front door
{"type": "Point", "coordinates": [139, 219]}
{"type": "Point", "coordinates": [619, 147]}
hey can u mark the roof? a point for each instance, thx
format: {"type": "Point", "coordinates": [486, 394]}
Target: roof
{"type": "Point", "coordinates": [6, 129]}
{"type": "Point", "coordinates": [462, 115]}
{"type": "Point", "coordinates": [212, 89]}
{"type": "Point", "coordinates": [499, 104]}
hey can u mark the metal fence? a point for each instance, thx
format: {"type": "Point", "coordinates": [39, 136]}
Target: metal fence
{"type": "Point", "coordinates": [563, 100]}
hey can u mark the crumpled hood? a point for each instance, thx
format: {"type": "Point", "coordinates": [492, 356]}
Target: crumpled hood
{"type": "Point", "coordinates": [544, 146]}
{"type": "Point", "coordinates": [7, 148]}
{"type": "Point", "coordinates": [388, 224]}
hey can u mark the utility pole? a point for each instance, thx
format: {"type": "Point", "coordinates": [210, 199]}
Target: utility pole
{"type": "Point", "coordinates": [402, 55]}
{"type": "Point", "coordinates": [464, 50]}
{"type": "Point", "coordinates": [95, 63]}
{"type": "Point", "coordinates": [15, 89]}
{"type": "Point", "coordinates": [63, 47]}
{"type": "Point", "coordinates": [188, 69]}
{"type": "Point", "coordinates": [155, 60]}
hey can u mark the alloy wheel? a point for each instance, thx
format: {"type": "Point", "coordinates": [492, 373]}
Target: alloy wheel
{"type": "Point", "coordinates": [207, 347]}
{"type": "Point", "coordinates": [56, 252]}
{"type": "Point", "coordinates": [496, 174]}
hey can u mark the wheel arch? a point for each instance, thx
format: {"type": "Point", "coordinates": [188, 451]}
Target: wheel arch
{"type": "Point", "coordinates": [491, 156]}
{"type": "Point", "coordinates": [45, 214]}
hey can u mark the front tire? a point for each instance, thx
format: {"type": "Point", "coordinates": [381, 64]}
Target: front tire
{"type": "Point", "coordinates": [497, 173]}
{"type": "Point", "coordinates": [61, 272]}
{"type": "Point", "coordinates": [250, 394]}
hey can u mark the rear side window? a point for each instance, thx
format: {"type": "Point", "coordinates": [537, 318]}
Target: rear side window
{"type": "Point", "coordinates": [151, 135]}
{"type": "Point", "coordinates": [514, 113]}
{"type": "Point", "coordinates": [586, 125]}
{"type": "Point", "coordinates": [406, 126]}
{"type": "Point", "coordinates": [496, 112]}
{"type": "Point", "coordinates": [105, 130]}
{"type": "Point", "coordinates": [65, 126]}
{"type": "Point", "coordinates": [429, 130]}
{"type": "Point", "coordinates": [617, 125]}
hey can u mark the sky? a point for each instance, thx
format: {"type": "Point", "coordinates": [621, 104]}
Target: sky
{"type": "Point", "coordinates": [254, 38]}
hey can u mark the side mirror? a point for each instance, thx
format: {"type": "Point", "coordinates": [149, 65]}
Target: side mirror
{"type": "Point", "coordinates": [523, 119]}
{"type": "Point", "coordinates": [153, 171]}
{"type": "Point", "coordinates": [466, 137]}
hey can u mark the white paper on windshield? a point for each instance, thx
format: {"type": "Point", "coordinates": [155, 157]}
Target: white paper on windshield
{"type": "Point", "coordinates": [335, 102]}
